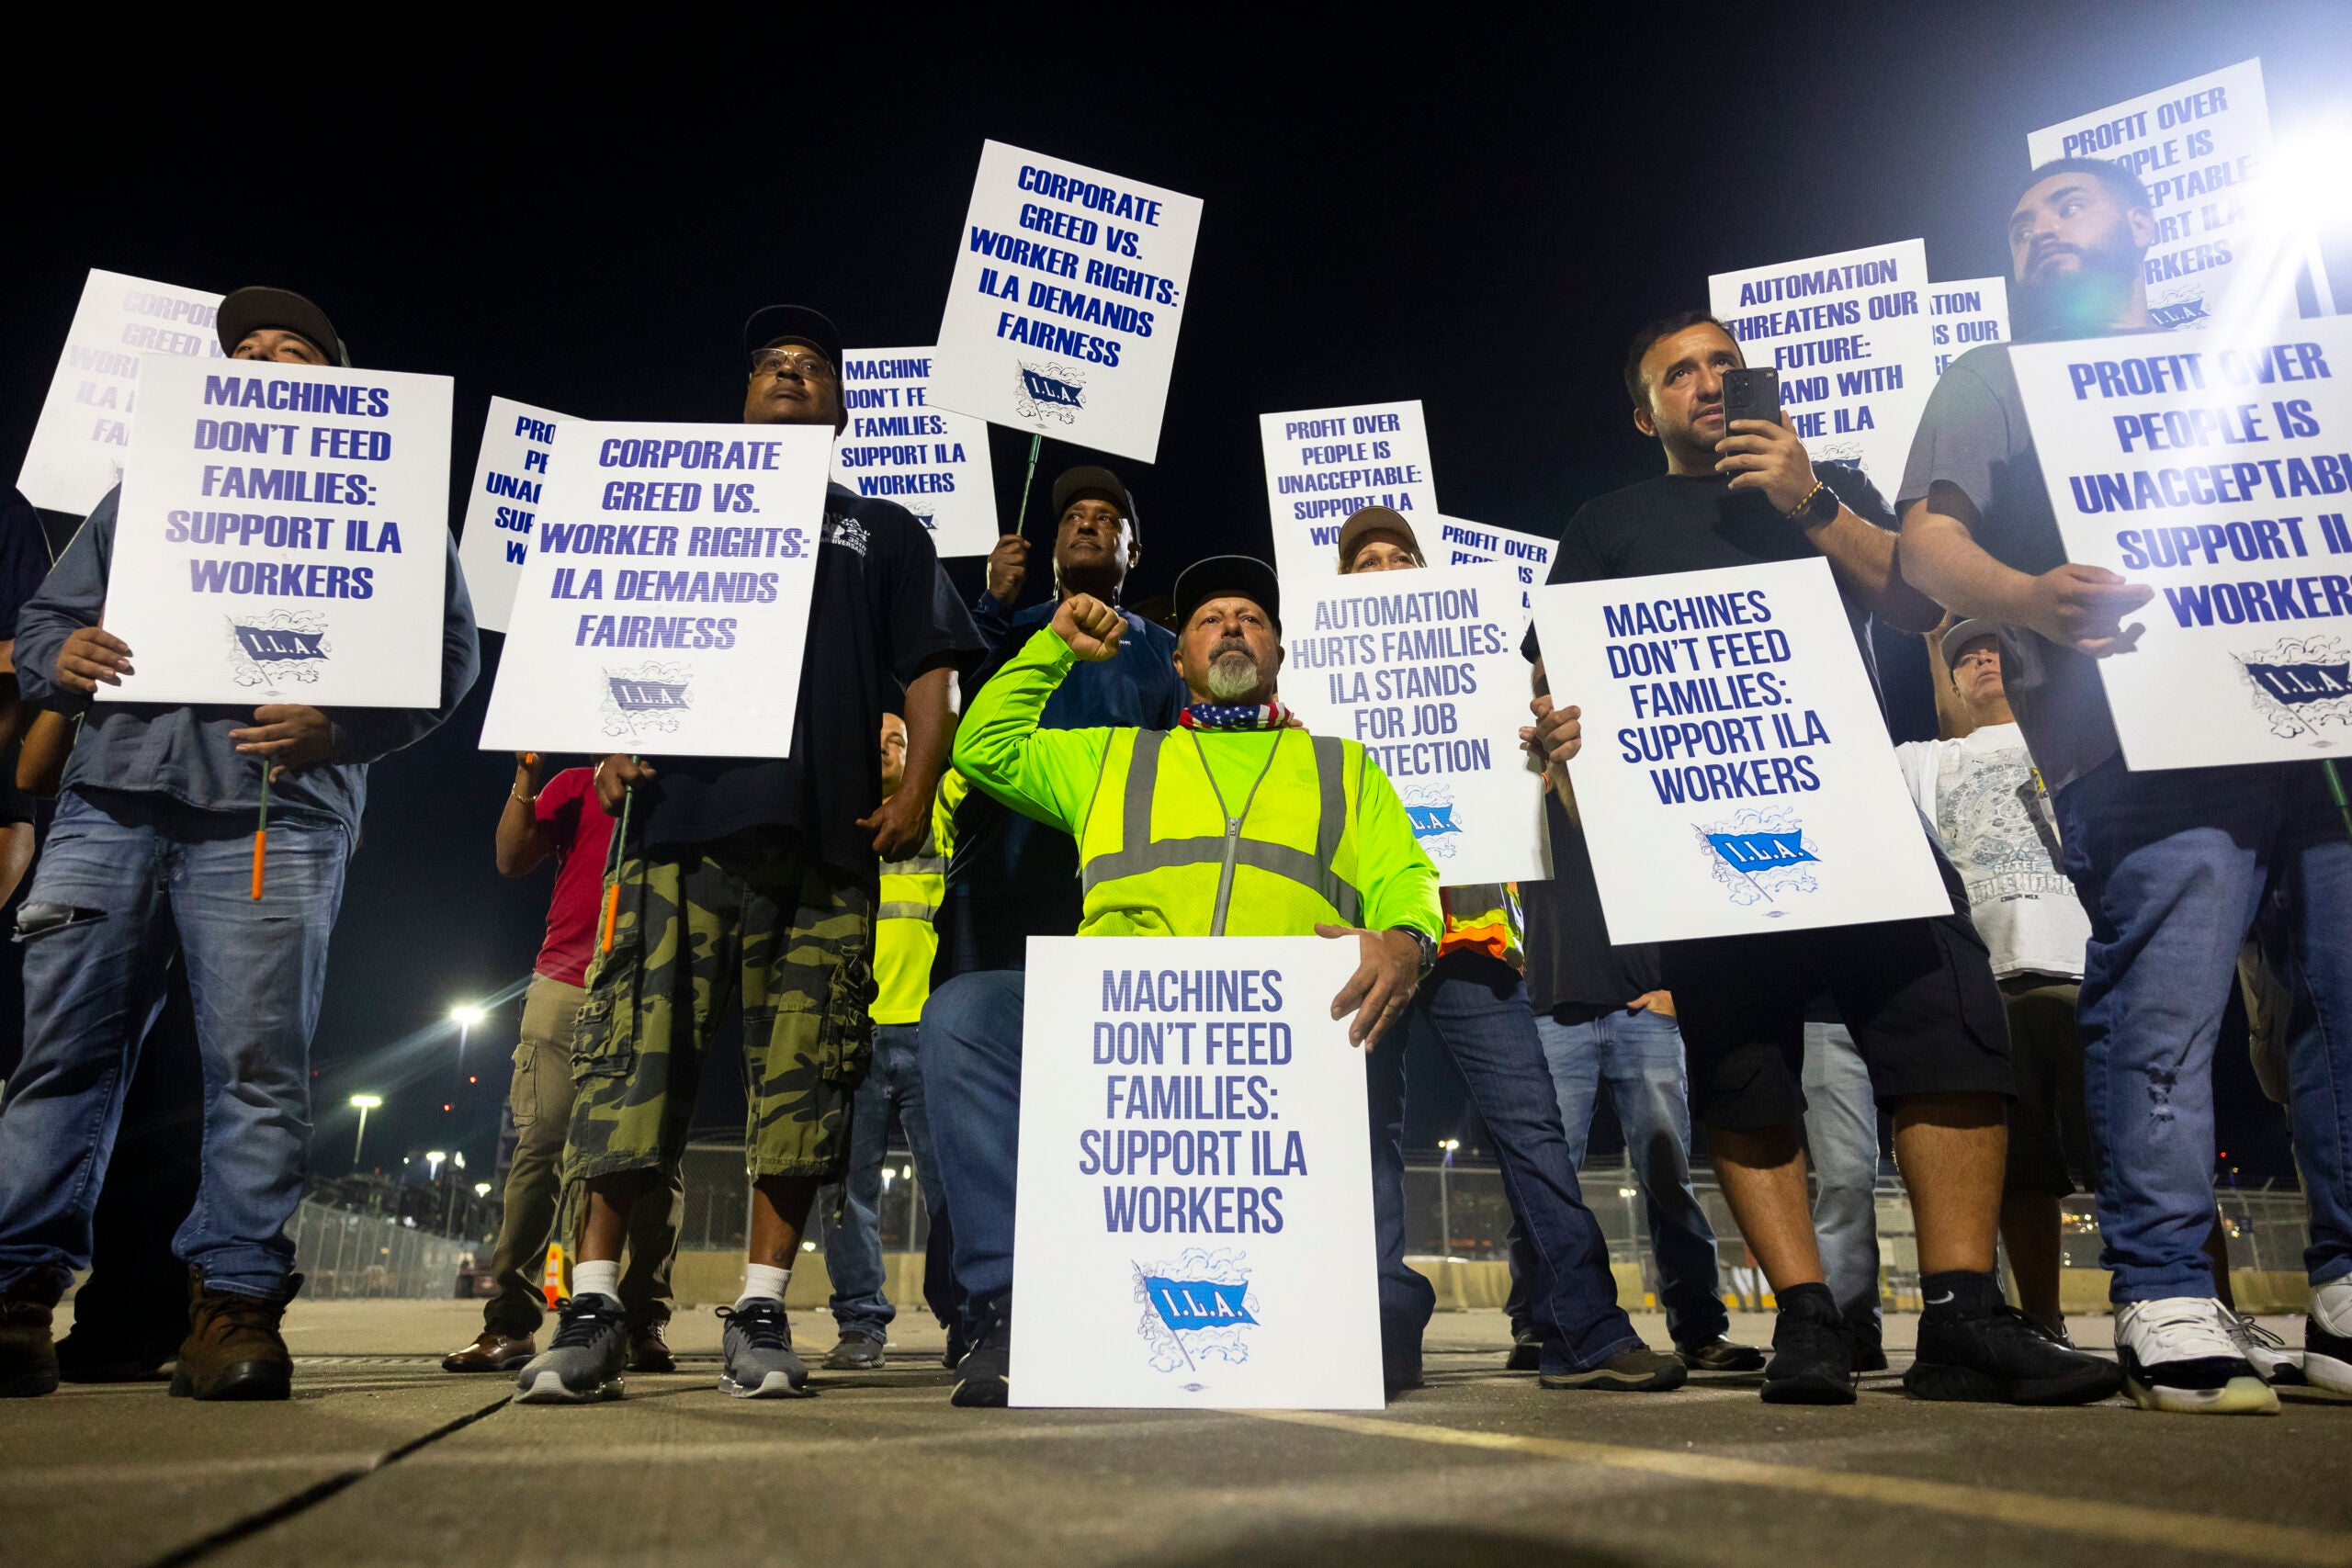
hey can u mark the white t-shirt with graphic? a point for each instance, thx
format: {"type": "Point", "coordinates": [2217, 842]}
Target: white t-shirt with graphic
{"type": "Point", "coordinates": [1981, 793]}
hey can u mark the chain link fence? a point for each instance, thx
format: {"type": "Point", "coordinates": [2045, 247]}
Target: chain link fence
{"type": "Point", "coordinates": [346, 1256]}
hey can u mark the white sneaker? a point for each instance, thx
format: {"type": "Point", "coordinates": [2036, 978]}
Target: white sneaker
{"type": "Point", "coordinates": [2265, 1351]}
{"type": "Point", "coordinates": [2327, 1339]}
{"type": "Point", "coordinates": [2180, 1354]}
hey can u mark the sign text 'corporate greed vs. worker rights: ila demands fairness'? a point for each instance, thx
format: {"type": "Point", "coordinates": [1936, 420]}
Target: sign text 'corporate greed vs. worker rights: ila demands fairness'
{"type": "Point", "coordinates": [283, 536]}
{"type": "Point", "coordinates": [664, 606]}
{"type": "Point", "coordinates": [2217, 471]}
{"type": "Point", "coordinates": [1736, 774]}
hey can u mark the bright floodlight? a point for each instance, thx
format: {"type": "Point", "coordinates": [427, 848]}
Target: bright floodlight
{"type": "Point", "coordinates": [482, 1189]}
{"type": "Point", "coordinates": [466, 1017]}
{"type": "Point", "coordinates": [435, 1155]}
{"type": "Point", "coordinates": [366, 1101]}
{"type": "Point", "coordinates": [1449, 1143]}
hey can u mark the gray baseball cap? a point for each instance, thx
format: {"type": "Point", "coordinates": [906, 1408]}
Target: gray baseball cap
{"type": "Point", "coordinates": [248, 311]}
{"type": "Point", "coordinates": [1966, 632]}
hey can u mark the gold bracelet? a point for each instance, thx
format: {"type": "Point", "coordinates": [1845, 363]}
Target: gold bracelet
{"type": "Point", "coordinates": [1794, 513]}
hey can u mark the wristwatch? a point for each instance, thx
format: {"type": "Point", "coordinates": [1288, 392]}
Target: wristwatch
{"type": "Point", "coordinates": [1819, 505]}
{"type": "Point", "coordinates": [1425, 943]}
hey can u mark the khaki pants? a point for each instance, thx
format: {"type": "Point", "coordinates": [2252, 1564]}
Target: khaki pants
{"type": "Point", "coordinates": [541, 1100]}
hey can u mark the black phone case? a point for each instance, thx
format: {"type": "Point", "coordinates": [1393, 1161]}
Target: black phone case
{"type": "Point", "coordinates": [1752, 394]}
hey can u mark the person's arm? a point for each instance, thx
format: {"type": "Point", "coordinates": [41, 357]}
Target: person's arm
{"type": "Point", "coordinates": [40, 765]}
{"type": "Point", "coordinates": [1008, 571]}
{"type": "Point", "coordinates": [61, 655]}
{"type": "Point", "coordinates": [1044, 774]}
{"type": "Point", "coordinates": [2081, 607]}
{"type": "Point", "coordinates": [523, 840]}
{"type": "Point", "coordinates": [1399, 888]}
{"type": "Point", "coordinates": [899, 822]}
{"type": "Point", "coordinates": [1762, 456]}
{"type": "Point", "coordinates": [363, 734]}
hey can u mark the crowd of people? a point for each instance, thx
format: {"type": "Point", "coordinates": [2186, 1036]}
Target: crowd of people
{"type": "Point", "coordinates": [964, 776]}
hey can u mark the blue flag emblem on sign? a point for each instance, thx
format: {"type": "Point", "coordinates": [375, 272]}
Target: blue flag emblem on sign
{"type": "Point", "coordinates": [1430, 820]}
{"type": "Point", "coordinates": [641, 696]}
{"type": "Point", "coordinates": [263, 644]}
{"type": "Point", "coordinates": [1756, 851]}
{"type": "Point", "coordinates": [2293, 684]}
{"type": "Point", "coordinates": [1046, 389]}
{"type": "Point", "coordinates": [1197, 1304]}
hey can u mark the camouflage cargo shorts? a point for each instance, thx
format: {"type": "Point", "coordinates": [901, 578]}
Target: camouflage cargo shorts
{"type": "Point", "coordinates": [750, 918]}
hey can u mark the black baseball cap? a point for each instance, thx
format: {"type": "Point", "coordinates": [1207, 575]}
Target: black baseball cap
{"type": "Point", "coordinates": [1090, 480]}
{"type": "Point", "coordinates": [1228, 577]}
{"type": "Point", "coordinates": [248, 311]}
{"type": "Point", "coordinates": [773, 322]}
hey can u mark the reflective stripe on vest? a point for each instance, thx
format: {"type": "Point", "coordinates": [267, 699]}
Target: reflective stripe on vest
{"type": "Point", "coordinates": [1140, 852]}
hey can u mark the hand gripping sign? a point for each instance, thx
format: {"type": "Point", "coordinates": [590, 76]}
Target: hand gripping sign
{"type": "Point", "coordinates": [283, 536]}
{"type": "Point", "coordinates": [664, 609]}
{"type": "Point", "coordinates": [1069, 288]}
{"type": "Point", "coordinates": [1736, 774]}
{"type": "Point", "coordinates": [1196, 1186]}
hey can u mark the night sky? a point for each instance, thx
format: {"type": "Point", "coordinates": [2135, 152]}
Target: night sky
{"type": "Point", "coordinates": [1475, 219]}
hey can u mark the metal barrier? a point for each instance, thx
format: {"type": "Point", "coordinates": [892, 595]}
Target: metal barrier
{"type": "Point", "coordinates": [344, 1256]}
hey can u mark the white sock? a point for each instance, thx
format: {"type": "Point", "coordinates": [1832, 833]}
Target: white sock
{"type": "Point", "coordinates": [596, 1279]}
{"type": "Point", "coordinates": [764, 1282]}
{"type": "Point", "coordinates": [2331, 1305]}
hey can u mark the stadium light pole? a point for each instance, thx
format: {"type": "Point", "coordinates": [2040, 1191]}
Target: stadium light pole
{"type": "Point", "coordinates": [465, 1017]}
{"type": "Point", "coordinates": [363, 1103]}
{"type": "Point", "coordinates": [1445, 1197]}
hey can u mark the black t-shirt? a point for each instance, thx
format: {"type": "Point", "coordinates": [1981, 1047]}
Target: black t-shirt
{"type": "Point", "coordinates": [1675, 523]}
{"type": "Point", "coordinates": [880, 612]}
{"type": "Point", "coordinates": [1571, 968]}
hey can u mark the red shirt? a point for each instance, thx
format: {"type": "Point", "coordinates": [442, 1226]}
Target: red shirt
{"type": "Point", "coordinates": [583, 836]}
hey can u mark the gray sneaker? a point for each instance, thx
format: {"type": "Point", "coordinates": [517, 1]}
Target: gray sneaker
{"type": "Point", "coordinates": [857, 1350]}
{"type": "Point", "coordinates": [585, 1362]}
{"type": "Point", "coordinates": [758, 1348]}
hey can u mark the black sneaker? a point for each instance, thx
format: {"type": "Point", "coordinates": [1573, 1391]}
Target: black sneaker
{"type": "Point", "coordinates": [1720, 1355]}
{"type": "Point", "coordinates": [1526, 1350]}
{"type": "Point", "coordinates": [1999, 1356]}
{"type": "Point", "coordinates": [1869, 1340]}
{"type": "Point", "coordinates": [2326, 1365]}
{"type": "Point", "coordinates": [1638, 1371]}
{"type": "Point", "coordinates": [28, 1356]}
{"type": "Point", "coordinates": [857, 1350]}
{"type": "Point", "coordinates": [585, 1362]}
{"type": "Point", "coordinates": [1812, 1361]}
{"type": "Point", "coordinates": [981, 1375]}
{"type": "Point", "coordinates": [953, 1356]}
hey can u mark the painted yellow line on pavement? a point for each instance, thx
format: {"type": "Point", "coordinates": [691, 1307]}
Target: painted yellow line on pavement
{"type": "Point", "coordinates": [2072, 1515]}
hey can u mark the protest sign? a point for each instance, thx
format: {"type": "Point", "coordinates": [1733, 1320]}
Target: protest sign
{"type": "Point", "coordinates": [1460, 543]}
{"type": "Point", "coordinates": [1196, 1186]}
{"type": "Point", "coordinates": [899, 445]}
{"type": "Point", "coordinates": [502, 508]}
{"type": "Point", "coordinates": [1062, 316]}
{"type": "Point", "coordinates": [1966, 313]}
{"type": "Point", "coordinates": [84, 436]}
{"type": "Point", "coordinates": [1849, 333]}
{"type": "Point", "coordinates": [2213, 470]}
{"type": "Point", "coordinates": [1736, 774]}
{"type": "Point", "coordinates": [1324, 464]}
{"type": "Point", "coordinates": [664, 608]}
{"type": "Point", "coordinates": [283, 536]}
{"type": "Point", "coordinates": [2201, 147]}
{"type": "Point", "coordinates": [1424, 668]}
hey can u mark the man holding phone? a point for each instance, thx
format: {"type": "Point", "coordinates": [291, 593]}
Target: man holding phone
{"type": "Point", "coordinates": [1917, 995]}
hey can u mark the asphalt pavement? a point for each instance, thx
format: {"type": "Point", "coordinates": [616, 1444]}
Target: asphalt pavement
{"type": "Point", "coordinates": [382, 1457]}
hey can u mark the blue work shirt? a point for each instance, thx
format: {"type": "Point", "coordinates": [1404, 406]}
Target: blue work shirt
{"type": "Point", "coordinates": [183, 750]}
{"type": "Point", "coordinates": [1012, 878]}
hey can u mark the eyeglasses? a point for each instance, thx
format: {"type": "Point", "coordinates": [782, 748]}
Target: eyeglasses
{"type": "Point", "coordinates": [777, 362]}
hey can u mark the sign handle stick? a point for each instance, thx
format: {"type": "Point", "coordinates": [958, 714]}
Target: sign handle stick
{"type": "Point", "coordinates": [2335, 790]}
{"type": "Point", "coordinates": [261, 828]}
{"type": "Point", "coordinates": [613, 877]}
{"type": "Point", "coordinates": [1020, 518]}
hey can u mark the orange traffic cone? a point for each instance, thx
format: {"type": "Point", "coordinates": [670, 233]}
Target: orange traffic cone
{"type": "Point", "coordinates": [557, 1282]}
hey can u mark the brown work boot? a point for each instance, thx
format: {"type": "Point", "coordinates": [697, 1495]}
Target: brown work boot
{"type": "Point", "coordinates": [28, 1356]}
{"type": "Point", "coordinates": [649, 1348]}
{"type": "Point", "coordinates": [233, 1350]}
{"type": "Point", "coordinates": [494, 1350]}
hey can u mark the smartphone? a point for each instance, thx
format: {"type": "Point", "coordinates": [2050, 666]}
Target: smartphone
{"type": "Point", "coordinates": [1752, 394]}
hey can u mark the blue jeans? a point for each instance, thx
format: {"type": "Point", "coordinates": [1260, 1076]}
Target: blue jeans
{"type": "Point", "coordinates": [166, 876]}
{"type": "Point", "coordinates": [2173, 868]}
{"type": "Point", "coordinates": [1841, 1135]}
{"type": "Point", "coordinates": [854, 1247]}
{"type": "Point", "coordinates": [1639, 1056]}
{"type": "Point", "coordinates": [971, 1073]}
{"type": "Point", "coordinates": [1475, 1008]}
